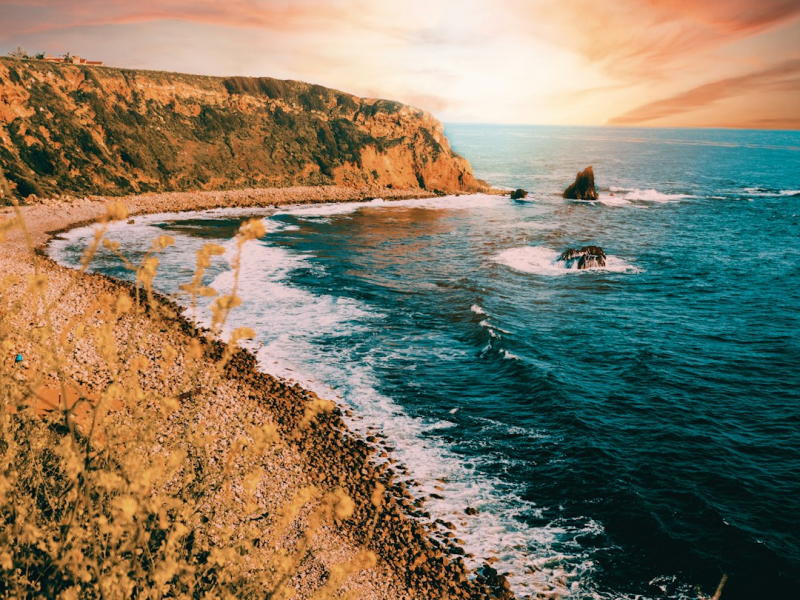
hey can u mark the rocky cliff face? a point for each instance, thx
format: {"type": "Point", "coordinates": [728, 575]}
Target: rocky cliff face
{"type": "Point", "coordinates": [89, 130]}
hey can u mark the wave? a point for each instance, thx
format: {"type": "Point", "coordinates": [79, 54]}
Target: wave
{"type": "Point", "coordinates": [460, 202]}
{"type": "Point", "coordinates": [613, 200]}
{"type": "Point", "coordinates": [539, 260]}
{"type": "Point", "coordinates": [651, 195]}
{"type": "Point", "coordinates": [305, 336]}
{"type": "Point", "coordinates": [489, 328]}
{"type": "Point", "coordinates": [291, 322]}
{"type": "Point", "coordinates": [620, 196]}
{"type": "Point", "coordinates": [770, 193]}
{"type": "Point", "coordinates": [494, 330]}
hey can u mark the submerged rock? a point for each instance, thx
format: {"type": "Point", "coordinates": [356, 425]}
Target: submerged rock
{"type": "Point", "coordinates": [519, 194]}
{"type": "Point", "coordinates": [583, 188]}
{"type": "Point", "coordinates": [587, 257]}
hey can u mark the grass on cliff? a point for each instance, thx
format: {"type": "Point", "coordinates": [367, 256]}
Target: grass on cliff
{"type": "Point", "coordinates": [86, 130]}
{"type": "Point", "coordinates": [97, 500]}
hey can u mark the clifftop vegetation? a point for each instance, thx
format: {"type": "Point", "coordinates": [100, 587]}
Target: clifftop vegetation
{"type": "Point", "coordinates": [76, 130]}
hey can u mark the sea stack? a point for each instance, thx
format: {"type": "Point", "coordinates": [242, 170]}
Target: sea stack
{"type": "Point", "coordinates": [583, 188]}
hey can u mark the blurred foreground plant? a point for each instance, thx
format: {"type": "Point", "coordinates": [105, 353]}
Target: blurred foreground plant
{"type": "Point", "coordinates": [96, 501]}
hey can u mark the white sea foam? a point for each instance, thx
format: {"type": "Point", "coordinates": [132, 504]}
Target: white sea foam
{"type": "Point", "coordinates": [327, 210]}
{"type": "Point", "coordinates": [477, 310]}
{"type": "Point", "coordinates": [609, 200]}
{"type": "Point", "coordinates": [493, 329]}
{"type": "Point", "coordinates": [623, 196]}
{"type": "Point", "coordinates": [652, 195]}
{"type": "Point", "coordinates": [539, 260]}
{"type": "Point", "coordinates": [282, 311]}
{"type": "Point", "coordinates": [463, 202]}
{"type": "Point", "coordinates": [290, 322]}
{"type": "Point", "coordinates": [139, 234]}
{"type": "Point", "coordinates": [488, 328]}
{"type": "Point", "coordinates": [764, 193]}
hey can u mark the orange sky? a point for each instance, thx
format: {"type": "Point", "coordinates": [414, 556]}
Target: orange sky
{"type": "Point", "coordinates": [685, 63]}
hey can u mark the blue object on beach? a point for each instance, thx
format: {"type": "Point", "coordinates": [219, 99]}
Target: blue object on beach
{"type": "Point", "coordinates": [18, 359]}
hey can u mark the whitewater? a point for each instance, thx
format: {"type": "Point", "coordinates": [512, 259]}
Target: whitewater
{"type": "Point", "coordinates": [622, 432]}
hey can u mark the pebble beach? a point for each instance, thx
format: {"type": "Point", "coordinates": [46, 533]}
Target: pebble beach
{"type": "Point", "coordinates": [415, 560]}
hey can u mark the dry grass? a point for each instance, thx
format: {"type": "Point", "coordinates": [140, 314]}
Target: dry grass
{"type": "Point", "coordinates": [128, 490]}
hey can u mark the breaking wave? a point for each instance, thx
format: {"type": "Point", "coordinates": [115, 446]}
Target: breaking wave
{"type": "Point", "coordinates": [540, 260]}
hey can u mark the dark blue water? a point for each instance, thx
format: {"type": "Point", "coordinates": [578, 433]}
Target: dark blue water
{"type": "Point", "coordinates": [629, 432]}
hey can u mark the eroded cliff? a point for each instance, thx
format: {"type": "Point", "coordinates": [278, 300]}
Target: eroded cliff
{"type": "Point", "coordinates": [86, 130]}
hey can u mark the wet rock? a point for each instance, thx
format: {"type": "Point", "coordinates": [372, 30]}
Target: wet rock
{"type": "Point", "coordinates": [587, 257]}
{"type": "Point", "coordinates": [471, 511]}
{"type": "Point", "coordinates": [488, 572]}
{"type": "Point", "coordinates": [583, 188]}
{"type": "Point", "coordinates": [519, 194]}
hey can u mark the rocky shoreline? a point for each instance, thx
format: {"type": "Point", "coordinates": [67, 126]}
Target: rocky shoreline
{"type": "Point", "coordinates": [416, 560]}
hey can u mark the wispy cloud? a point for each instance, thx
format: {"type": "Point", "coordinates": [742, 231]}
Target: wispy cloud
{"type": "Point", "coordinates": [545, 61]}
{"type": "Point", "coordinates": [640, 39]}
{"type": "Point", "coordinates": [782, 77]}
{"type": "Point", "coordinates": [731, 16]}
{"type": "Point", "coordinates": [48, 15]}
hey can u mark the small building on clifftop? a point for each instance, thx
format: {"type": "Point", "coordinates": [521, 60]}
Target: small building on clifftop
{"type": "Point", "coordinates": [73, 60]}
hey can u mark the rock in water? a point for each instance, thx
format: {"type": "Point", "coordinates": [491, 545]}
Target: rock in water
{"type": "Point", "coordinates": [583, 188]}
{"type": "Point", "coordinates": [591, 261]}
{"type": "Point", "coordinates": [519, 194]}
{"type": "Point", "coordinates": [587, 257]}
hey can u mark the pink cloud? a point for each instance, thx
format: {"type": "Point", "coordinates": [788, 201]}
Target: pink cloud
{"type": "Point", "coordinates": [784, 77]}
{"type": "Point", "coordinates": [47, 15]}
{"type": "Point", "coordinates": [640, 39]}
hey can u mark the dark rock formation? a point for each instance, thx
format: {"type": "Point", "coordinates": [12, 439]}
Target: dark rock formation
{"type": "Point", "coordinates": [587, 257]}
{"type": "Point", "coordinates": [583, 188]}
{"type": "Point", "coordinates": [519, 194]}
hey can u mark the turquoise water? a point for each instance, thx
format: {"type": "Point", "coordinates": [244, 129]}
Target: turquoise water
{"type": "Point", "coordinates": [628, 432]}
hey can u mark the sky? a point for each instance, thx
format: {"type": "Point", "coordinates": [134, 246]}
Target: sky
{"type": "Point", "coordinates": [637, 63]}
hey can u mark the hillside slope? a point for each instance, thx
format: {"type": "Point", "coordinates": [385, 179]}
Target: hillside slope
{"type": "Point", "coordinates": [76, 130]}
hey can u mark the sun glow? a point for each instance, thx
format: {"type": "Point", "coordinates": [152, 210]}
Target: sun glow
{"type": "Point", "coordinates": [632, 62]}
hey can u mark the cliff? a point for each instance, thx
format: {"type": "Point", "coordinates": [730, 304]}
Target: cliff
{"type": "Point", "coordinates": [78, 130]}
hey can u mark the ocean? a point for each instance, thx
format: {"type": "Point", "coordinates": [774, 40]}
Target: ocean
{"type": "Point", "coordinates": [628, 432]}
